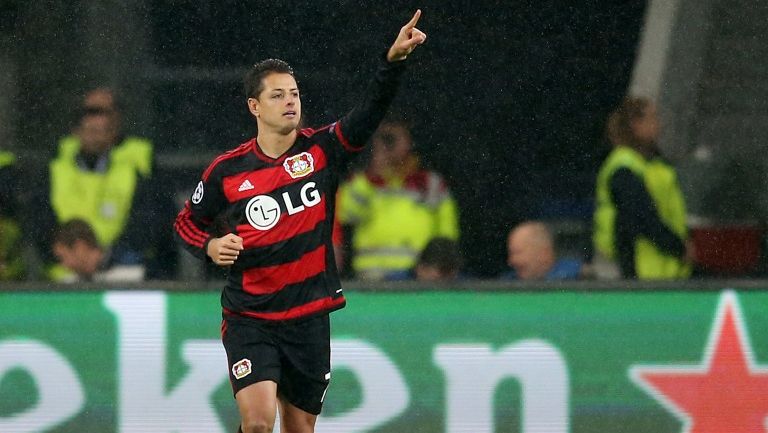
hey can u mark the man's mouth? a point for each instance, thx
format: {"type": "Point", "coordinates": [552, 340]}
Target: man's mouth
{"type": "Point", "coordinates": [290, 114]}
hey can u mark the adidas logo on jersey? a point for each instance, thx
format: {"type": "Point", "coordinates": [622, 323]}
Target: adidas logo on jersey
{"type": "Point", "coordinates": [245, 186]}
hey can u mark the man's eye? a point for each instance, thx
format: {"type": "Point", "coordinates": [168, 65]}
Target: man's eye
{"type": "Point", "coordinates": [277, 96]}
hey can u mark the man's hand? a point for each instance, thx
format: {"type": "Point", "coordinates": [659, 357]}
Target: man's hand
{"type": "Point", "coordinates": [224, 250]}
{"type": "Point", "coordinates": [407, 40]}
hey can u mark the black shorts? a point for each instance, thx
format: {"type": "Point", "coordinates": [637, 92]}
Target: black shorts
{"type": "Point", "coordinates": [296, 355]}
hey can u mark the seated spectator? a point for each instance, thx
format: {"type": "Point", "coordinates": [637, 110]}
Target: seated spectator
{"type": "Point", "coordinates": [439, 261]}
{"type": "Point", "coordinates": [532, 255]}
{"type": "Point", "coordinates": [395, 207]}
{"type": "Point", "coordinates": [105, 178]}
{"type": "Point", "coordinates": [77, 249]}
{"type": "Point", "coordinates": [640, 218]}
{"type": "Point", "coordinates": [11, 263]}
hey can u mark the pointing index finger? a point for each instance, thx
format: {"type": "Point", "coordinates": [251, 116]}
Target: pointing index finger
{"type": "Point", "coordinates": [412, 23]}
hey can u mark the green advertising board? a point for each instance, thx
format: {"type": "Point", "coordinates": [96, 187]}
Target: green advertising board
{"type": "Point", "coordinates": [475, 362]}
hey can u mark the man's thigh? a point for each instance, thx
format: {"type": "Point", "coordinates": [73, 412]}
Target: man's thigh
{"type": "Point", "coordinates": [252, 356]}
{"type": "Point", "coordinates": [257, 403]}
{"type": "Point", "coordinates": [306, 364]}
{"type": "Point", "coordinates": [294, 419]}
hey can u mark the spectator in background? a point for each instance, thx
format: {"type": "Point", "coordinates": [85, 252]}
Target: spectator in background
{"type": "Point", "coordinates": [105, 178]}
{"type": "Point", "coordinates": [439, 261]}
{"type": "Point", "coordinates": [532, 255]}
{"type": "Point", "coordinates": [640, 217]}
{"type": "Point", "coordinates": [11, 264]}
{"type": "Point", "coordinates": [77, 249]}
{"type": "Point", "coordinates": [395, 207]}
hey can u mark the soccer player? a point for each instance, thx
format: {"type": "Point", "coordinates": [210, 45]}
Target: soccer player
{"type": "Point", "coordinates": [265, 210]}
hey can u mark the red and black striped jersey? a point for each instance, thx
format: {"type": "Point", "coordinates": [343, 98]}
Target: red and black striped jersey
{"type": "Point", "coordinates": [283, 208]}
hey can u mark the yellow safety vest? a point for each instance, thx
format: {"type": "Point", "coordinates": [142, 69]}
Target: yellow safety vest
{"type": "Point", "coordinates": [103, 200]}
{"type": "Point", "coordinates": [11, 264]}
{"type": "Point", "coordinates": [393, 224]}
{"type": "Point", "coordinates": [661, 182]}
{"type": "Point", "coordinates": [6, 158]}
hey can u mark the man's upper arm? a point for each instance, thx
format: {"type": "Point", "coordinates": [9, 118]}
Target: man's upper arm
{"type": "Point", "coordinates": [340, 136]}
{"type": "Point", "coordinates": [635, 204]}
{"type": "Point", "coordinates": [205, 203]}
{"type": "Point", "coordinates": [357, 126]}
{"type": "Point", "coordinates": [207, 200]}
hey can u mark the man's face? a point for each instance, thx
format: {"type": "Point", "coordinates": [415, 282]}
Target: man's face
{"type": "Point", "coordinates": [278, 106]}
{"type": "Point", "coordinates": [99, 99]}
{"type": "Point", "coordinates": [102, 101]}
{"type": "Point", "coordinates": [97, 133]}
{"type": "Point", "coordinates": [646, 128]}
{"type": "Point", "coordinates": [392, 144]}
{"type": "Point", "coordinates": [530, 259]}
{"type": "Point", "coordinates": [79, 257]}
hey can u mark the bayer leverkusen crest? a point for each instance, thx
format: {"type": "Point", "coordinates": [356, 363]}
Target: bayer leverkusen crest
{"type": "Point", "coordinates": [241, 368]}
{"type": "Point", "coordinates": [299, 165]}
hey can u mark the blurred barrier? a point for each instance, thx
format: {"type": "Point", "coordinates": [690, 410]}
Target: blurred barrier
{"type": "Point", "coordinates": [728, 249]}
{"type": "Point", "coordinates": [151, 361]}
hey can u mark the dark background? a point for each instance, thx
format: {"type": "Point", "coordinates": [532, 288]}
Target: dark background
{"type": "Point", "coordinates": [508, 99]}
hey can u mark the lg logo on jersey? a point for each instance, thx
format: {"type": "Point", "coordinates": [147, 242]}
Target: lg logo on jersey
{"type": "Point", "coordinates": [263, 211]}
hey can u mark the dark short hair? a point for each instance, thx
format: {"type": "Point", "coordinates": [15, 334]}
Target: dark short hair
{"type": "Point", "coordinates": [383, 131]}
{"type": "Point", "coordinates": [443, 254]}
{"type": "Point", "coordinates": [618, 128]}
{"type": "Point", "coordinates": [75, 230]}
{"type": "Point", "coordinates": [254, 78]}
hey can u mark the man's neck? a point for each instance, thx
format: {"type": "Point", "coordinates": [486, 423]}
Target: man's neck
{"type": "Point", "coordinates": [273, 143]}
{"type": "Point", "coordinates": [93, 161]}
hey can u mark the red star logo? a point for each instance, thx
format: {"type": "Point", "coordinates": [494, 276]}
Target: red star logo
{"type": "Point", "coordinates": [726, 393]}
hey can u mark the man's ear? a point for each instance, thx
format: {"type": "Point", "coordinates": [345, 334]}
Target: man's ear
{"type": "Point", "coordinates": [253, 106]}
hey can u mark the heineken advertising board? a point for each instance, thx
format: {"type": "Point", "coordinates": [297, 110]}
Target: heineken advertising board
{"type": "Point", "coordinates": [475, 362]}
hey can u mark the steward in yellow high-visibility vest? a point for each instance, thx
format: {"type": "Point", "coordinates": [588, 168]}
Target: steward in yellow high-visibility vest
{"type": "Point", "coordinates": [640, 217]}
{"type": "Point", "coordinates": [11, 264]}
{"type": "Point", "coordinates": [97, 177]}
{"type": "Point", "coordinates": [101, 194]}
{"type": "Point", "coordinates": [395, 208]}
{"type": "Point", "coordinates": [107, 180]}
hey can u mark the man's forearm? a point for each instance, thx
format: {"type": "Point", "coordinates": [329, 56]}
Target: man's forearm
{"type": "Point", "coordinates": [360, 123]}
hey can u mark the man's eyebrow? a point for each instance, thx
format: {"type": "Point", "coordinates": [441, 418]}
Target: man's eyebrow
{"type": "Point", "coordinates": [281, 89]}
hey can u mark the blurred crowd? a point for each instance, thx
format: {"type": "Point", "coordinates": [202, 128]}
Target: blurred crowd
{"type": "Point", "coordinates": [98, 212]}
